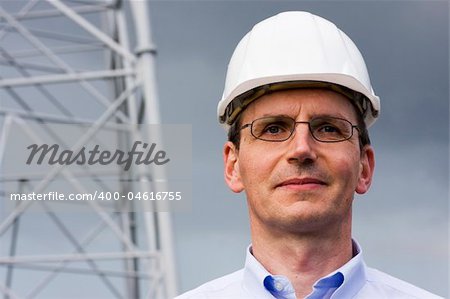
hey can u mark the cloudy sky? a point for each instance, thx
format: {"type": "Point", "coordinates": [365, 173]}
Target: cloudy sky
{"type": "Point", "coordinates": [402, 223]}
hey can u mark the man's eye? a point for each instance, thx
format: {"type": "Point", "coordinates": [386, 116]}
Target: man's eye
{"type": "Point", "coordinates": [328, 129]}
{"type": "Point", "coordinates": [273, 129]}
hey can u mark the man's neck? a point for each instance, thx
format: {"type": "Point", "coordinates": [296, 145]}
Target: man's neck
{"type": "Point", "coordinates": [302, 258]}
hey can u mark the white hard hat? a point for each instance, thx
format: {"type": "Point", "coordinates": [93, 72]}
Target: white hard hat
{"type": "Point", "coordinates": [296, 50]}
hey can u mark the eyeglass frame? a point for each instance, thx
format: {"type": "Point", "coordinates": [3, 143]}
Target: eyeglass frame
{"type": "Point", "coordinates": [302, 122]}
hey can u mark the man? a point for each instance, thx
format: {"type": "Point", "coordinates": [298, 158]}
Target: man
{"type": "Point", "coordinates": [297, 104]}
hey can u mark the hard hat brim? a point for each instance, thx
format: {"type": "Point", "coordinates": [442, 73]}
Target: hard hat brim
{"type": "Point", "coordinates": [247, 92]}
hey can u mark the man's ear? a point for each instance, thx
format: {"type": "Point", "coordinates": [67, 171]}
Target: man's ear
{"type": "Point", "coordinates": [367, 166]}
{"type": "Point", "coordinates": [231, 165]}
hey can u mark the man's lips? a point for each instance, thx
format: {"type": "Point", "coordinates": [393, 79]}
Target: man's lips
{"type": "Point", "coordinates": [301, 183]}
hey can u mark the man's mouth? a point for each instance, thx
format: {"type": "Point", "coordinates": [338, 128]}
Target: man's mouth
{"type": "Point", "coordinates": [306, 183]}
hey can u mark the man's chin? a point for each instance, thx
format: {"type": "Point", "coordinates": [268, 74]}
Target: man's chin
{"type": "Point", "coordinates": [302, 199]}
{"type": "Point", "coordinates": [303, 216]}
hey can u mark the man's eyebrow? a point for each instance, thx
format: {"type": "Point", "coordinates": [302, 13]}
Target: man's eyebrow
{"type": "Point", "coordinates": [275, 115]}
{"type": "Point", "coordinates": [335, 115]}
{"type": "Point", "coordinates": [313, 115]}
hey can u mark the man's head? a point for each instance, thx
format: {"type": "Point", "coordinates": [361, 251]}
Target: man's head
{"type": "Point", "coordinates": [300, 183]}
{"type": "Point", "coordinates": [297, 103]}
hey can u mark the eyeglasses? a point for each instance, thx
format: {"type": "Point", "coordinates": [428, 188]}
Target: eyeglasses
{"type": "Point", "coordinates": [281, 128]}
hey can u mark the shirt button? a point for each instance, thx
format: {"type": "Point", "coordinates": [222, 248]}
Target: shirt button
{"type": "Point", "coordinates": [278, 286]}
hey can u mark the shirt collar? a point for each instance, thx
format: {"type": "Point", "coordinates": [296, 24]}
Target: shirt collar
{"type": "Point", "coordinates": [344, 282]}
{"type": "Point", "coordinates": [354, 274]}
{"type": "Point", "coordinates": [254, 275]}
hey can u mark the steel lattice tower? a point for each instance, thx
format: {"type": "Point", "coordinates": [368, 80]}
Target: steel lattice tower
{"type": "Point", "coordinates": [97, 62]}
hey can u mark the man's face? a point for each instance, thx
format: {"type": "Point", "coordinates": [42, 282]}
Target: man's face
{"type": "Point", "coordinates": [299, 184]}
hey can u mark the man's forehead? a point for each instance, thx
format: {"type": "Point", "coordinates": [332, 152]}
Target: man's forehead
{"type": "Point", "coordinates": [292, 102]}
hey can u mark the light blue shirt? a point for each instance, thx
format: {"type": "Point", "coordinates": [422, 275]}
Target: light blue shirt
{"type": "Point", "coordinates": [354, 280]}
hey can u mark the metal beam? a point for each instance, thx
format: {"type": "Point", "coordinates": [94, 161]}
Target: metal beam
{"type": "Point", "coordinates": [49, 13]}
{"type": "Point", "coordinates": [111, 273]}
{"type": "Point", "coordinates": [56, 170]}
{"type": "Point", "coordinates": [56, 60]}
{"type": "Point", "coordinates": [92, 29]}
{"type": "Point", "coordinates": [90, 47]}
{"type": "Point", "coordinates": [51, 35]}
{"type": "Point", "coordinates": [80, 250]}
{"type": "Point", "coordinates": [137, 78]}
{"type": "Point", "coordinates": [72, 180]}
{"type": "Point", "coordinates": [30, 66]}
{"type": "Point", "coordinates": [54, 258]}
{"type": "Point", "coordinates": [62, 78]}
{"type": "Point", "coordinates": [23, 12]}
{"type": "Point", "coordinates": [146, 66]}
{"type": "Point", "coordinates": [39, 116]}
{"type": "Point", "coordinates": [7, 291]}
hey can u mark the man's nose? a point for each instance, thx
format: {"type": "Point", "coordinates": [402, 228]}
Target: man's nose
{"type": "Point", "coordinates": [302, 144]}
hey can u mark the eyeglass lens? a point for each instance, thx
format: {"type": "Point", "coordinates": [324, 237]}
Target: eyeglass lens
{"type": "Point", "coordinates": [280, 128]}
